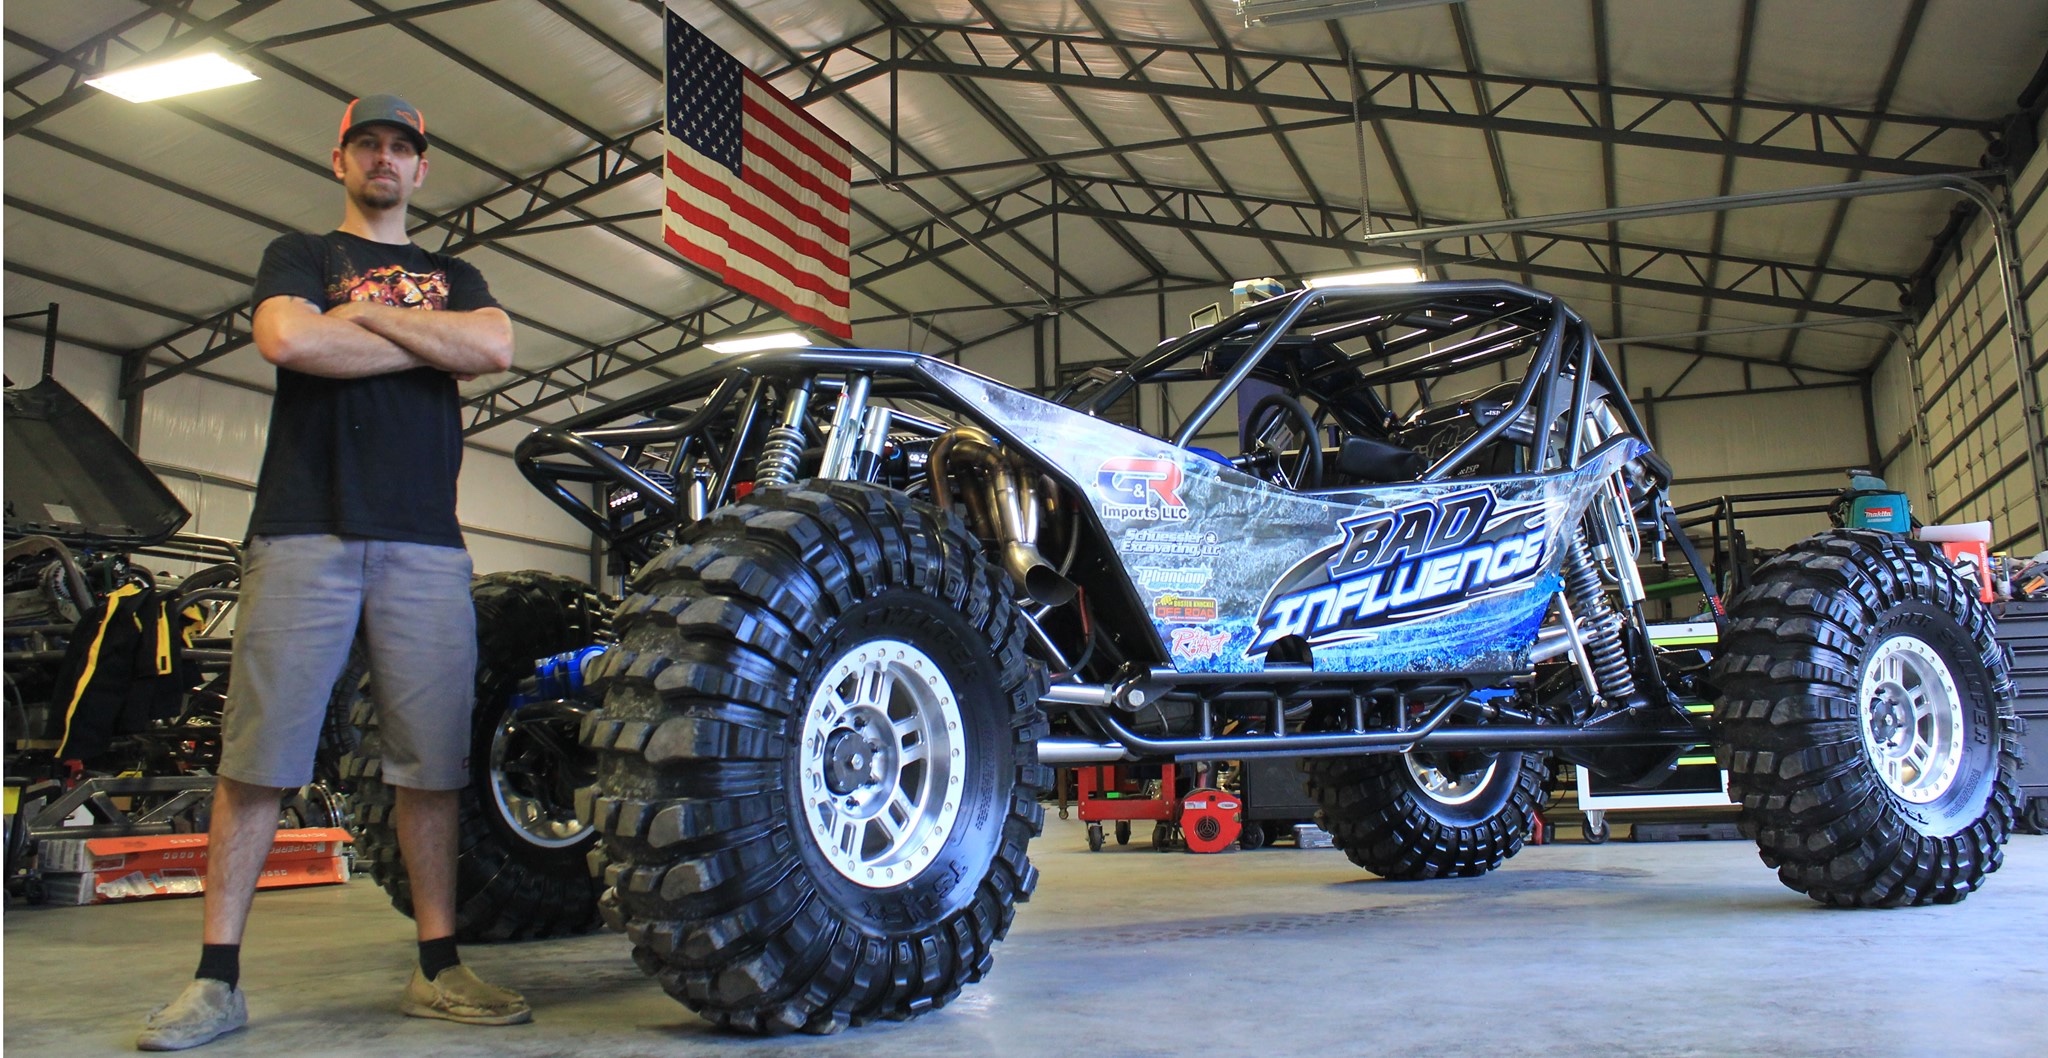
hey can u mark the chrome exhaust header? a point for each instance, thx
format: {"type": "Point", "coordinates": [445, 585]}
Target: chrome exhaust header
{"type": "Point", "coordinates": [1001, 496]}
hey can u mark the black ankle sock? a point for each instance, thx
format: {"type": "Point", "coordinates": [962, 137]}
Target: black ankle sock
{"type": "Point", "coordinates": [437, 955]}
{"type": "Point", "coordinates": [222, 962]}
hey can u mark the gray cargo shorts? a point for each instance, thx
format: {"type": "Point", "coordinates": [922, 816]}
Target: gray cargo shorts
{"type": "Point", "coordinates": [303, 599]}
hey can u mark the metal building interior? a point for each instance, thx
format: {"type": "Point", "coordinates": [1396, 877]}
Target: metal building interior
{"type": "Point", "coordinates": [1805, 231]}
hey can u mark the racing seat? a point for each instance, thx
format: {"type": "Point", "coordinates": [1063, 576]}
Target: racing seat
{"type": "Point", "coordinates": [1357, 462]}
{"type": "Point", "coordinates": [1373, 462]}
{"type": "Point", "coordinates": [1310, 466]}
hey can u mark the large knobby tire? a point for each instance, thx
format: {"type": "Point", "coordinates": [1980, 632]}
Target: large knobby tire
{"type": "Point", "coordinates": [1866, 723]}
{"type": "Point", "coordinates": [523, 871]}
{"type": "Point", "coordinates": [798, 661]}
{"type": "Point", "coordinates": [1419, 815]}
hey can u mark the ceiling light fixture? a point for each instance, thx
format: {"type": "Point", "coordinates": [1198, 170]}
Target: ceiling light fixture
{"type": "Point", "coordinates": [758, 342]}
{"type": "Point", "coordinates": [1280, 12]}
{"type": "Point", "coordinates": [1403, 274]}
{"type": "Point", "coordinates": [162, 80]}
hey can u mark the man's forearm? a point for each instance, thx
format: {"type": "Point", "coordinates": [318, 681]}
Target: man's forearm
{"type": "Point", "coordinates": [332, 348]}
{"type": "Point", "coordinates": [466, 343]}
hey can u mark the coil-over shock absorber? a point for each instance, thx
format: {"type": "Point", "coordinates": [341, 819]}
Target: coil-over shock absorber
{"type": "Point", "coordinates": [1599, 624]}
{"type": "Point", "coordinates": [782, 451]}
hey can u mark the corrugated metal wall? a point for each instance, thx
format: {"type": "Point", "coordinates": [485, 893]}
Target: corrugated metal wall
{"type": "Point", "coordinates": [1952, 417]}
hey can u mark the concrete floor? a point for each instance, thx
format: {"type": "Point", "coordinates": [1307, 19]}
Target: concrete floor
{"type": "Point", "coordinates": [1615, 950]}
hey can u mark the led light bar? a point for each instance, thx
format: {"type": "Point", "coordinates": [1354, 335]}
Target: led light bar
{"type": "Point", "coordinates": [1403, 274]}
{"type": "Point", "coordinates": [756, 343]}
{"type": "Point", "coordinates": [162, 80]}
{"type": "Point", "coordinates": [1280, 12]}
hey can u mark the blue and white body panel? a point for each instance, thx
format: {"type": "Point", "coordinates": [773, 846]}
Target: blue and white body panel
{"type": "Point", "coordinates": [1445, 576]}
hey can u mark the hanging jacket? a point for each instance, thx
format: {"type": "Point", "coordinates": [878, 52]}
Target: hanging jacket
{"type": "Point", "coordinates": [123, 668]}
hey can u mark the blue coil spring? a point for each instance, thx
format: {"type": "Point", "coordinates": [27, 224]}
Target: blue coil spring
{"type": "Point", "coordinates": [563, 675]}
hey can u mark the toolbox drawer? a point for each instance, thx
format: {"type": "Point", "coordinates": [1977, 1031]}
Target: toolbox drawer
{"type": "Point", "coordinates": [2023, 628]}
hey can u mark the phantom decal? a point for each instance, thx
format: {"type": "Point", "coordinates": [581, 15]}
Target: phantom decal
{"type": "Point", "coordinates": [1160, 579]}
{"type": "Point", "coordinates": [1406, 564]}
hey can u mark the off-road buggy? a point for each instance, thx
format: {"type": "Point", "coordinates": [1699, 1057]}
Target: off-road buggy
{"type": "Point", "coordinates": [864, 580]}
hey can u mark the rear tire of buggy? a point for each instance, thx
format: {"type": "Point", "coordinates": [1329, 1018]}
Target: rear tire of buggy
{"type": "Point", "coordinates": [1866, 723]}
{"type": "Point", "coordinates": [1380, 810]}
{"type": "Point", "coordinates": [516, 879]}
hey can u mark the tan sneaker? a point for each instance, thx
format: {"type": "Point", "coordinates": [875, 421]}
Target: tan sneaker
{"type": "Point", "coordinates": [204, 1010]}
{"type": "Point", "coordinates": [456, 994]}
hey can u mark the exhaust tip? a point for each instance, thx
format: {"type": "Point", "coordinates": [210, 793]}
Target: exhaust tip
{"type": "Point", "coordinates": [1046, 587]}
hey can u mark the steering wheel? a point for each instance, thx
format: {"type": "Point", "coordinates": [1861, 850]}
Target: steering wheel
{"type": "Point", "coordinates": [1275, 410]}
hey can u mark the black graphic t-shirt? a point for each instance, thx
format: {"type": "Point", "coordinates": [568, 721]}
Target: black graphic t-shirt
{"type": "Point", "coordinates": [369, 457]}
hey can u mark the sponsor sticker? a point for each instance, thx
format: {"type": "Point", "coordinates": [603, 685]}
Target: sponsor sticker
{"type": "Point", "coordinates": [1141, 489]}
{"type": "Point", "coordinates": [1181, 581]}
{"type": "Point", "coordinates": [1161, 543]}
{"type": "Point", "coordinates": [1184, 608]}
{"type": "Point", "coordinates": [1198, 644]}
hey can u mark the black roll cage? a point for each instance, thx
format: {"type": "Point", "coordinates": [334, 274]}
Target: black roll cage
{"type": "Point", "coordinates": [1297, 340]}
{"type": "Point", "coordinates": [1306, 329]}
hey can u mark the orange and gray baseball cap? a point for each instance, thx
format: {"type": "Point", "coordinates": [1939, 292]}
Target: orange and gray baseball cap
{"type": "Point", "coordinates": [384, 110]}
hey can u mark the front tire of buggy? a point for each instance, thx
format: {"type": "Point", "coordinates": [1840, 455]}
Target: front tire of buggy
{"type": "Point", "coordinates": [818, 761]}
{"type": "Point", "coordinates": [523, 870]}
{"type": "Point", "coordinates": [1866, 723]}
{"type": "Point", "coordinates": [1421, 815]}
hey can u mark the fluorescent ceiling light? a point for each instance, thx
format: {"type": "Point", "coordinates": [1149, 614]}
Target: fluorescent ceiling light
{"type": "Point", "coordinates": [758, 342]}
{"type": "Point", "coordinates": [1403, 274]}
{"type": "Point", "coordinates": [1279, 12]}
{"type": "Point", "coordinates": [162, 80]}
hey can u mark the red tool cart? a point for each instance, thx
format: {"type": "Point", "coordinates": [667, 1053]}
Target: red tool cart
{"type": "Point", "coordinates": [1118, 793]}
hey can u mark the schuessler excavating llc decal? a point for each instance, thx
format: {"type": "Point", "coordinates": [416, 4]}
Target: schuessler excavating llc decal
{"type": "Point", "coordinates": [1404, 564]}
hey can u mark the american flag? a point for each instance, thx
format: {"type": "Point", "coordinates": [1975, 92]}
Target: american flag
{"type": "Point", "coordinates": [758, 190]}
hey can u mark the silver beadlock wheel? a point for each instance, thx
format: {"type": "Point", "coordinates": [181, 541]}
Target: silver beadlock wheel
{"type": "Point", "coordinates": [1911, 717]}
{"type": "Point", "coordinates": [882, 763]}
{"type": "Point", "coordinates": [520, 766]}
{"type": "Point", "coordinates": [1444, 786]}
